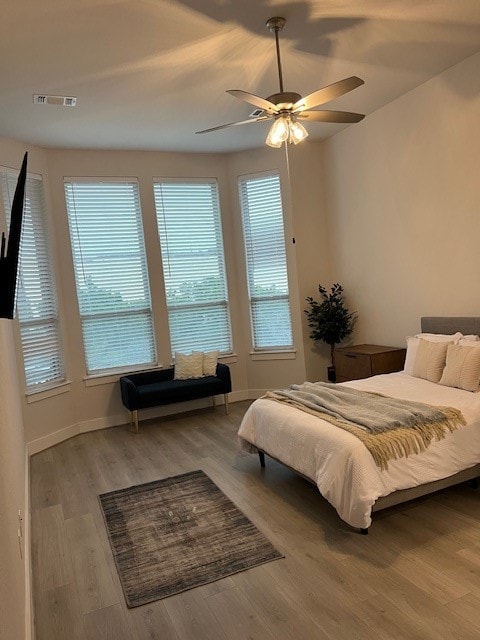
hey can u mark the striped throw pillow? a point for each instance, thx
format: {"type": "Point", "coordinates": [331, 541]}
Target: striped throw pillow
{"type": "Point", "coordinates": [462, 369]}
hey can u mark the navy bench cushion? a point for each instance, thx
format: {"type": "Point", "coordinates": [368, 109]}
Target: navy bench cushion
{"type": "Point", "coordinates": [150, 395]}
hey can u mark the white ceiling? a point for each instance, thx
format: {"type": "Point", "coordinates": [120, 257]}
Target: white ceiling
{"type": "Point", "coordinates": [149, 73]}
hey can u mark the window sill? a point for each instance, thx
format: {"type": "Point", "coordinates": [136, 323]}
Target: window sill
{"type": "Point", "coordinates": [110, 377]}
{"type": "Point", "coordinates": [290, 354]}
{"type": "Point", "coordinates": [50, 392]}
{"type": "Point", "coordinates": [96, 379]}
{"type": "Point", "coordinates": [226, 358]}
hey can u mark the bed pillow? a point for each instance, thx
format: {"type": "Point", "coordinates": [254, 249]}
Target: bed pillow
{"type": "Point", "coordinates": [462, 368]}
{"type": "Point", "coordinates": [430, 359]}
{"type": "Point", "coordinates": [412, 346]}
{"type": "Point", "coordinates": [441, 337]}
{"type": "Point", "coordinates": [188, 366]}
{"type": "Point", "coordinates": [467, 342]}
{"type": "Point", "coordinates": [210, 359]}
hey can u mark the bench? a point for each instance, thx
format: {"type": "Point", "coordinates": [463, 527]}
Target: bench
{"type": "Point", "coordinates": [156, 388]}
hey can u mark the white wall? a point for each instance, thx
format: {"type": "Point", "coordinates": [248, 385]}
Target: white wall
{"type": "Point", "coordinates": [12, 493]}
{"type": "Point", "coordinates": [13, 568]}
{"type": "Point", "coordinates": [313, 257]}
{"type": "Point", "coordinates": [404, 207]}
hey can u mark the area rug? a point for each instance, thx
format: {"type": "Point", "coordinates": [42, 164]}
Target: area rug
{"type": "Point", "coordinates": [174, 534]}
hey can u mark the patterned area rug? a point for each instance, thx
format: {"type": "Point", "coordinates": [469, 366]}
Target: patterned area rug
{"type": "Point", "coordinates": [170, 535]}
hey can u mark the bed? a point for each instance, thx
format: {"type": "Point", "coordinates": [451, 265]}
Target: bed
{"type": "Point", "coordinates": [341, 466]}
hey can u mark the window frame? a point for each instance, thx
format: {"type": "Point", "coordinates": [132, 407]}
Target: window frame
{"type": "Point", "coordinates": [270, 352]}
{"type": "Point", "coordinates": [218, 221]}
{"type": "Point", "coordinates": [47, 284]}
{"type": "Point", "coordinates": [96, 375]}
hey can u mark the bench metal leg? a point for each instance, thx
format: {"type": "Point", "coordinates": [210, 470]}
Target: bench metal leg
{"type": "Point", "coordinates": [225, 395]}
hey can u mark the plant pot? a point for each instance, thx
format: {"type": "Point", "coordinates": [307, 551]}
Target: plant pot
{"type": "Point", "coordinates": [331, 376]}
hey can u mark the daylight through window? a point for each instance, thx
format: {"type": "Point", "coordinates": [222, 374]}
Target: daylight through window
{"type": "Point", "coordinates": [36, 293]}
{"type": "Point", "coordinates": [262, 215]}
{"type": "Point", "coordinates": [188, 216]}
{"type": "Point", "coordinates": [111, 273]}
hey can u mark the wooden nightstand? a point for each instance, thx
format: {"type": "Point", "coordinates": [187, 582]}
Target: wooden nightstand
{"type": "Point", "coordinates": [365, 360]}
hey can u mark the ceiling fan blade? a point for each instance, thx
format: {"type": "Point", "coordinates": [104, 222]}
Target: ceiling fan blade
{"type": "Point", "coordinates": [330, 116]}
{"type": "Point", "coordinates": [328, 93]}
{"type": "Point", "coordinates": [251, 98]}
{"type": "Point", "coordinates": [234, 124]}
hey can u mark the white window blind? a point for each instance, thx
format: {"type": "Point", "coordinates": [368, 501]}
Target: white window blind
{"type": "Point", "coordinates": [266, 259]}
{"type": "Point", "coordinates": [188, 216]}
{"type": "Point", "coordinates": [111, 273]}
{"type": "Point", "coordinates": [36, 292]}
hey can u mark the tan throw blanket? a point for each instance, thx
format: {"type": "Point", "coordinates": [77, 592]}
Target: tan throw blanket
{"type": "Point", "coordinates": [388, 427]}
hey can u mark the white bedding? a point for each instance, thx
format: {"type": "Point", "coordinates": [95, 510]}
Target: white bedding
{"type": "Point", "coordinates": [342, 467]}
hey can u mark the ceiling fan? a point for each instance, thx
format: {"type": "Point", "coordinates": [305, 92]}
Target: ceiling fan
{"type": "Point", "coordinates": [287, 108]}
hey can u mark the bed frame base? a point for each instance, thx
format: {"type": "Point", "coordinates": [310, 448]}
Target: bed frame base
{"type": "Point", "coordinates": [471, 475]}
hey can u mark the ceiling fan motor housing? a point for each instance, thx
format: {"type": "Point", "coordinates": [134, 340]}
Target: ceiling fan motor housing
{"type": "Point", "coordinates": [285, 99]}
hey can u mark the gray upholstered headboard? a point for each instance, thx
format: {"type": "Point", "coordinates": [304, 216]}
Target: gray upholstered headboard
{"type": "Point", "coordinates": [466, 326]}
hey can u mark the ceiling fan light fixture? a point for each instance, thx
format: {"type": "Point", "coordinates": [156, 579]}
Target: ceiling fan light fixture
{"type": "Point", "coordinates": [297, 132]}
{"type": "Point", "coordinates": [285, 129]}
{"type": "Point", "coordinates": [279, 132]}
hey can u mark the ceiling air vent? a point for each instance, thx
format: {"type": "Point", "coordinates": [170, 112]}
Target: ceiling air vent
{"type": "Point", "coordinates": [62, 101]}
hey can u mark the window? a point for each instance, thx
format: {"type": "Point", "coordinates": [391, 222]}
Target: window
{"type": "Point", "coordinates": [262, 215]}
{"type": "Point", "coordinates": [36, 293]}
{"type": "Point", "coordinates": [111, 274]}
{"type": "Point", "coordinates": [188, 216]}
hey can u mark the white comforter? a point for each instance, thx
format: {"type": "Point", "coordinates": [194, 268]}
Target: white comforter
{"type": "Point", "coordinates": [340, 464]}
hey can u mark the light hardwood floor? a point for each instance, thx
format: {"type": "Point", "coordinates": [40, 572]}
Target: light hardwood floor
{"type": "Point", "coordinates": [415, 576]}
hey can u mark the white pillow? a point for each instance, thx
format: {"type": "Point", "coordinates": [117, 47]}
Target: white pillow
{"type": "Point", "coordinates": [462, 369]}
{"type": "Point", "coordinates": [412, 346]}
{"type": "Point", "coordinates": [188, 365]}
{"type": "Point", "coordinates": [413, 342]}
{"type": "Point", "coordinates": [467, 342]}
{"type": "Point", "coordinates": [441, 337]}
{"type": "Point", "coordinates": [210, 363]}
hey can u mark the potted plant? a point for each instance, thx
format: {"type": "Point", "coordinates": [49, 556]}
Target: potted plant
{"type": "Point", "coordinates": [330, 321]}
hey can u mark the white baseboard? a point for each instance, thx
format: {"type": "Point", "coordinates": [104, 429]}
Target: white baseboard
{"type": "Point", "coordinates": [51, 439]}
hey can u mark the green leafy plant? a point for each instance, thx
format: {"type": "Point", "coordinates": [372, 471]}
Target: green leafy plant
{"type": "Point", "coordinates": [329, 320]}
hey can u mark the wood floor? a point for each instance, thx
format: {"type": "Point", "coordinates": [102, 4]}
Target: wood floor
{"type": "Point", "coordinates": [415, 576]}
